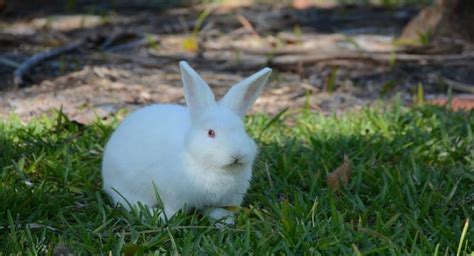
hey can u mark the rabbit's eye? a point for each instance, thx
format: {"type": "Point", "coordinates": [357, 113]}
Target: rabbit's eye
{"type": "Point", "coordinates": [211, 133]}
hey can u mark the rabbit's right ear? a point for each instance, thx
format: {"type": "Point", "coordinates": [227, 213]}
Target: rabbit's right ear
{"type": "Point", "coordinates": [197, 93]}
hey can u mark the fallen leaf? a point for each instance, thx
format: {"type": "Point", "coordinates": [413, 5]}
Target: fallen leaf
{"type": "Point", "coordinates": [190, 44]}
{"type": "Point", "coordinates": [341, 175]}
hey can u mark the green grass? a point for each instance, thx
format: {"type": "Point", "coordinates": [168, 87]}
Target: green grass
{"type": "Point", "coordinates": [411, 192]}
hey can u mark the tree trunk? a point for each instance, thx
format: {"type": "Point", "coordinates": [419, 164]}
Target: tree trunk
{"type": "Point", "coordinates": [444, 21]}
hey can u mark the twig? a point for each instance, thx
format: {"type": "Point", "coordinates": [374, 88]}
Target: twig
{"type": "Point", "coordinates": [212, 46]}
{"type": "Point", "coordinates": [9, 63]}
{"type": "Point", "coordinates": [295, 61]}
{"type": "Point", "coordinates": [247, 25]}
{"type": "Point", "coordinates": [147, 40]}
{"type": "Point", "coordinates": [294, 55]}
{"type": "Point", "coordinates": [117, 36]}
{"type": "Point", "coordinates": [21, 71]}
{"type": "Point", "coordinates": [469, 88]}
{"type": "Point", "coordinates": [380, 58]}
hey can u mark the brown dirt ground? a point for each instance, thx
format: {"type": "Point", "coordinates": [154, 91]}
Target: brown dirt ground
{"type": "Point", "coordinates": [334, 58]}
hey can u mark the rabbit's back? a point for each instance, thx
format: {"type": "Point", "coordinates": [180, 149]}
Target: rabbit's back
{"type": "Point", "coordinates": [146, 148]}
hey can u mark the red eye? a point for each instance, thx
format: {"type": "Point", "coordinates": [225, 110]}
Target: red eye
{"type": "Point", "coordinates": [211, 133]}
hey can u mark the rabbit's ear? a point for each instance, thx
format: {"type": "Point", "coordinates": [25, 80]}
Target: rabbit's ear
{"type": "Point", "coordinates": [242, 95]}
{"type": "Point", "coordinates": [197, 93]}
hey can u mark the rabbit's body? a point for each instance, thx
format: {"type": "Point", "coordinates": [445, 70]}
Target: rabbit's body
{"type": "Point", "coordinates": [197, 156]}
{"type": "Point", "coordinates": [169, 164]}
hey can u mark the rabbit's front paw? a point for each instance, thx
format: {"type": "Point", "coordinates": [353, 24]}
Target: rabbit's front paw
{"type": "Point", "coordinates": [224, 216]}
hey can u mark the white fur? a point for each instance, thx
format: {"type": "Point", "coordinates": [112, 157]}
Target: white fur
{"type": "Point", "coordinates": [167, 147]}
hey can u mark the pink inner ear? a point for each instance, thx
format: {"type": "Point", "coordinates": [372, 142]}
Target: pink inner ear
{"type": "Point", "coordinates": [251, 92]}
{"type": "Point", "coordinates": [242, 95]}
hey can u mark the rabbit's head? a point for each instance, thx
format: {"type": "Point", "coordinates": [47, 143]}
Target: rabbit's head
{"type": "Point", "coordinates": [217, 138]}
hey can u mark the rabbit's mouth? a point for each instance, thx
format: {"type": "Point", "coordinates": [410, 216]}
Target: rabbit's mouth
{"type": "Point", "coordinates": [235, 164]}
{"type": "Point", "coordinates": [237, 161]}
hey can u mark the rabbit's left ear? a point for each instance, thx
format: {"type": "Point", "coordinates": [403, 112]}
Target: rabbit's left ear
{"type": "Point", "coordinates": [242, 95]}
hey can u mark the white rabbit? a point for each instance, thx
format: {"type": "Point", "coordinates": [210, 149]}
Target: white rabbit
{"type": "Point", "coordinates": [197, 156]}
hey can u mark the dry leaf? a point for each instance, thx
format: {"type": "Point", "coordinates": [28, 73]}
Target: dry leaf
{"type": "Point", "coordinates": [341, 175]}
{"type": "Point", "coordinates": [190, 44]}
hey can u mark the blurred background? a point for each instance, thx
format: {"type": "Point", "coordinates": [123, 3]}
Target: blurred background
{"type": "Point", "coordinates": [93, 58]}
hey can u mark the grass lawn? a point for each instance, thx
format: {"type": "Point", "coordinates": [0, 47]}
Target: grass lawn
{"type": "Point", "coordinates": [411, 192]}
